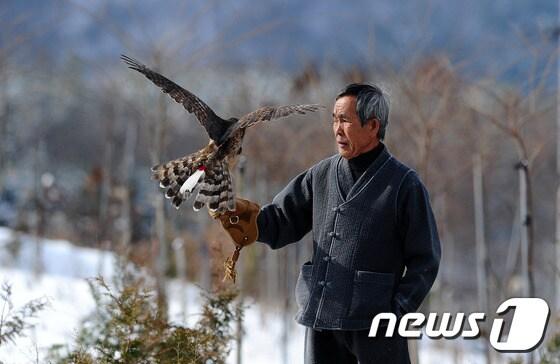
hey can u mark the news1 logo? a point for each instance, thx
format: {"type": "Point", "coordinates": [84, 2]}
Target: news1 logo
{"type": "Point", "coordinates": [526, 332]}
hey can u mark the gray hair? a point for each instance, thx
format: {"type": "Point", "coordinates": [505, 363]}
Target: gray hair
{"type": "Point", "coordinates": [371, 103]}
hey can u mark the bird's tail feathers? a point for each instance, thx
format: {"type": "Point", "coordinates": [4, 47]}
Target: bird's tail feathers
{"type": "Point", "coordinates": [174, 174]}
{"type": "Point", "coordinates": [216, 190]}
{"type": "Point", "coordinates": [199, 174]}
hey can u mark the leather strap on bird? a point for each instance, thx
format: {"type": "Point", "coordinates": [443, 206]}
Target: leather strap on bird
{"type": "Point", "coordinates": [241, 225]}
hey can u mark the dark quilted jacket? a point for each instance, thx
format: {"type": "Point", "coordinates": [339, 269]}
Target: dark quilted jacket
{"type": "Point", "coordinates": [364, 236]}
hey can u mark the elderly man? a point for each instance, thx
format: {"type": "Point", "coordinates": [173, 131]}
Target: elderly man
{"type": "Point", "coordinates": [375, 241]}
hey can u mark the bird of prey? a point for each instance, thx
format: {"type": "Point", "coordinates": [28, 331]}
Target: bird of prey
{"type": "Point", "coordinates": [207, 171]}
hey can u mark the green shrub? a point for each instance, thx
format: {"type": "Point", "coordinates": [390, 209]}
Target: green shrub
{"type": "Point", "coordinates": [128, 327]}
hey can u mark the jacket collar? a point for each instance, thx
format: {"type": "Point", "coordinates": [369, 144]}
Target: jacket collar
{"type": "Point", "coordinates": [347, 188]}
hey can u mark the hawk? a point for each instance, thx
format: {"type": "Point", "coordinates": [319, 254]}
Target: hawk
{"type": "Point", "coordinates": [207, 171]}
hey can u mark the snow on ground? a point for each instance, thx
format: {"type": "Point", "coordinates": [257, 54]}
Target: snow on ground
{"type": "Point", "coordinates": [71, 300]}
{"type": "Point", "coordinates": [63, 281]}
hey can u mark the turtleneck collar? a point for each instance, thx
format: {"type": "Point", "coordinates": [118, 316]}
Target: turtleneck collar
{"type": "Point", "coordinates": [359, 164]}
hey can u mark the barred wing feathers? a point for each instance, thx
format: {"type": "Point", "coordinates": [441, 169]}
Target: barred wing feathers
{"type": "Point", "coordinates": [268, 113]}
{"type": "Point", "coordinates": [214, 125]}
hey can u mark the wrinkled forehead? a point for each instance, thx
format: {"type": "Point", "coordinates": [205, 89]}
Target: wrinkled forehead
{"type": "Point", "coordinates": [345, 105]}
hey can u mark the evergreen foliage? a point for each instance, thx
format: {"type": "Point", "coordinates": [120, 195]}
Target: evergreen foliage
{"type": "Point", "coordinates": [128, 327]}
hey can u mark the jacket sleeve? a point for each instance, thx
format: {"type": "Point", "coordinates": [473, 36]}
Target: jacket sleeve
{"type": "Point", "coordinates": [289, 217]}
{"type": "Point", "coordinates": [421, 245]}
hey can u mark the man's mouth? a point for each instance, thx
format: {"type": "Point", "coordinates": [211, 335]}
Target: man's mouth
{"type": "Point", "coordinates": [341, 144]}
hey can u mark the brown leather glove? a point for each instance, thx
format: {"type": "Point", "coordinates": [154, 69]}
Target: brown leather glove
{"type": "Point", "coordinates": [241, 226]}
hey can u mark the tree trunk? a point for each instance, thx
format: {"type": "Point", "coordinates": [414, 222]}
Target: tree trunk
{"type": "Point", "coordinates": [181, 265]}
{"type": "Point", "coordinates": [4, 128]}
{"type": "Point", "coordinates": [160, 243]}
{"type": "Point", "coordinates": [129, 161]}
{"type": "Point", "coordinates": [240, 266]}
{"type": "Point", "coordinates": [481, 256]}
{"type": "Point", "coordinates": [557, 267]}
{"type": "Point", "coordinates": [106, 184]}
{"type": "Point", "coordinates": [40, 220]}
{"type": "Point", "coordinates": [526, 236]}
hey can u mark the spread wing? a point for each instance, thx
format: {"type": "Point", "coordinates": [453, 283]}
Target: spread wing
{"type": "Point", "coordinates": [214, 125]}
{"type": "Point", "coordinates": [268, 113]}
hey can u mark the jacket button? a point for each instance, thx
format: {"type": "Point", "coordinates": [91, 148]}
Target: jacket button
{"type": "Point", "coordinates": [332, 234]}
{"type": "Point", "coordinates": [322, 283]}
{"type": "Point", "coordinates": [335, 209]}
{"type": "Point", "coordinates": [327, 258]}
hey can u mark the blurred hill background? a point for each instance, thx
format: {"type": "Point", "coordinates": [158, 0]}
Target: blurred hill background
{"type": "Point", "coordinates": [473, 91]}
{"type": "Point", "coordinates": [289, 34]}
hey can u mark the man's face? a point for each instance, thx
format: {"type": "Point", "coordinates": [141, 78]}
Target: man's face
{"type": "Point", "coordinates": [352, 139]}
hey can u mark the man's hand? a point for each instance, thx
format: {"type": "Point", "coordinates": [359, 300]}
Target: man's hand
{"type": "Point", "coordinates": [241, 224]}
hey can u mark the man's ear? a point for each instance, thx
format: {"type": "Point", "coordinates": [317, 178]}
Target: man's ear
{"type": "Point", "coordinates": [374, 124]}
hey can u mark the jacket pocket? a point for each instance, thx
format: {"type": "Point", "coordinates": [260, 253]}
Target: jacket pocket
{"type": "Point", "coordinates": [303, 285]}
{"type": "Point", "coordinates": [371, 294]}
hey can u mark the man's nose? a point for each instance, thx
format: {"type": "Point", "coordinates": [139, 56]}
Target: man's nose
{"type": "Point", "coordinates": [337, 128]}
